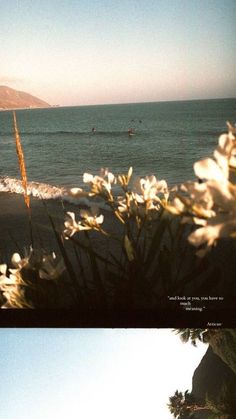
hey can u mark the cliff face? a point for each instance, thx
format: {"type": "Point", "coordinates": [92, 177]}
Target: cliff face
{"type": "Point", "coordinates": [224, 345]}
{"type": "Point", "coordinates": [12, 99]}
{"type": "Point", "coordinates": [210, 377]}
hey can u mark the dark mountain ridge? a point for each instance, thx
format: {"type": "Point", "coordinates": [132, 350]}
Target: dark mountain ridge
{"type": "Point", "coordinates": [13, 99]}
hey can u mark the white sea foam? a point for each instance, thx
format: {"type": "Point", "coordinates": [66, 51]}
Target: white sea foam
{"type": "Point", "coordinates": [36, 189]}
{"type": "Point", "coordinates": [44, 191]}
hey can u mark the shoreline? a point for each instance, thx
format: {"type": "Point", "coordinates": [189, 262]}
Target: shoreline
{"type": "Point", "coordinates": [27, 108]}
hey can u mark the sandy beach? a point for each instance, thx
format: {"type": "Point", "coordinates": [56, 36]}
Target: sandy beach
{"type": "Point", "coordinates": [218, 279]}
{"type": "Point", "coordinates": [15, 227]}
{"type": "Point", "coordinates": [14, 224]}
{"type": "Point", "coordinates": [15, 230]}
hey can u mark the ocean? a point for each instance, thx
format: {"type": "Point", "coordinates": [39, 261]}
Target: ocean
{"type": "Point", "coordinates": [59, 143]}
{"type": "Point", "coordinates": [59, 146]}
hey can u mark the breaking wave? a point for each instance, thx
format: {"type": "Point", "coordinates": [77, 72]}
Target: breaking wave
{"type": "Point", "coordinates": [44, 191]}
{"type": "Point", "coordinates": [36, 189]}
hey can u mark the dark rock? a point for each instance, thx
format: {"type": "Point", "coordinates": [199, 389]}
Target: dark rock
{"type": "Point", "coordinates": [209, 378]}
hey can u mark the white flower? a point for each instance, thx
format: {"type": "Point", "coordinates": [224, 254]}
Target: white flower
{"type": "Point", "coordinates": [18, 262]}
{"type": "Point", "coordinates": [223, 225]}
{"type": "Point", "coordinates": [4, 281]}
{"type": "Point", "coordinates": [208, 169]}
{"type": "Point", "coordinates": [125, 179]}
{"type": "Point", "coordinates": [16, 259]}
{"type": "Point", "coordinates": [100, 184]}
{"type": "Point", "coordinates": [15, 298]}
{"type": "Point", "coordinates": [147, 190]}
{"type": "Point", "coordinates": [110, 177]}
{"type": "Point", "coordinates": [90, 221]}
{"type": "Point", "coordinates": [70, 224]}
{"type": "Point", "coordinates": [225, 158]}
{"type": "Point", "coordinates": [90, 216]}
{"type": "Point", "coordinates": [87, 178]}
{"type": "Point", "coordinates": [212, 203]}
{"type": "Point", "coordinates": [51, 268]}
{"type": "Point", "coordinates": [176, 207]}
{"type": "Point", "coordinates": [129, 206]}
{"type": "Point", "coordinates": [219, 213]}
{"type": "Point", "coordinates": [199, 193]}
{"type": "Point", "coordinates": [231, 128]}
{"type": "Point", "coordinates": [225, 153]}
{"type": "Point", "coordinates": [3, 269]}
{"type": "Point", "coordinates": [11, 287]}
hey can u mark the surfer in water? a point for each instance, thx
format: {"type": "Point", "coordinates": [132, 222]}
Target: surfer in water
{"type": "Point", "coordinates": [130, 132]}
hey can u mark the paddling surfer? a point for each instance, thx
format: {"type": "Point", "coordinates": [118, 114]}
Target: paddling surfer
{"type": "Point", "coordinates": [130, 132]}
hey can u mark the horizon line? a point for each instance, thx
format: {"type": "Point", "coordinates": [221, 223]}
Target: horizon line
{"type": "Point", "coordinates": [140, 103]}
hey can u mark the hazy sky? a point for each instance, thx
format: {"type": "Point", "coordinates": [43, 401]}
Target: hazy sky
{"type": "Point", "coordinates": [71, 52]}
{"type": "Point", "coordinates": [96, 373]}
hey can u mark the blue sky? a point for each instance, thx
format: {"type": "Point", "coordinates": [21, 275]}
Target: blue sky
{"type": "Point", "coordinates": [105, 51]}
{"type": "Point", "coordinates": [88, 373]}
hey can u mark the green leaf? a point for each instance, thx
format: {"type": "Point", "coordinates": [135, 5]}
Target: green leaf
{"type": "Point", "coordinates": [156, 241]}
{"type": "Point", "coordinates": [129, 248]}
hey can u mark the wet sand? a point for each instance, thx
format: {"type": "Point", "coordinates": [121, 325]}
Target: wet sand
{"type": "Point", "coordinates": [15, 230]}
{"type": "Point", "coordinates": [15, 226]}
{"type": "Point", "coordinates": [15, 237]}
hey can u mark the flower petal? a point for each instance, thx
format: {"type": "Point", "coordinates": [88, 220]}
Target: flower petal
{"type": "Point", "coordinates": [16, 259]}
{"type": "Point", "coordinates": [208, 169]}
{"type": "Point", "coordinates": [3, 269]}
{"type": "Point", "coordinates": [87, 177]}
{"type": "Point", "coordinates": [100, 219]}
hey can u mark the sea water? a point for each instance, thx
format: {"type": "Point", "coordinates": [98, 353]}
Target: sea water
{"type": "Point", "coordinates": [60, 144]}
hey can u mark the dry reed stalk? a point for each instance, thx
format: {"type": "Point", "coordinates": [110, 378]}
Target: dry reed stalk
{"type": "Point", "coordinates": [21, 160]}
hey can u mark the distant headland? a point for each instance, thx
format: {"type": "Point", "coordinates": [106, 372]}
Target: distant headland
{"type": "Point", "coordinates": [14, 99]}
